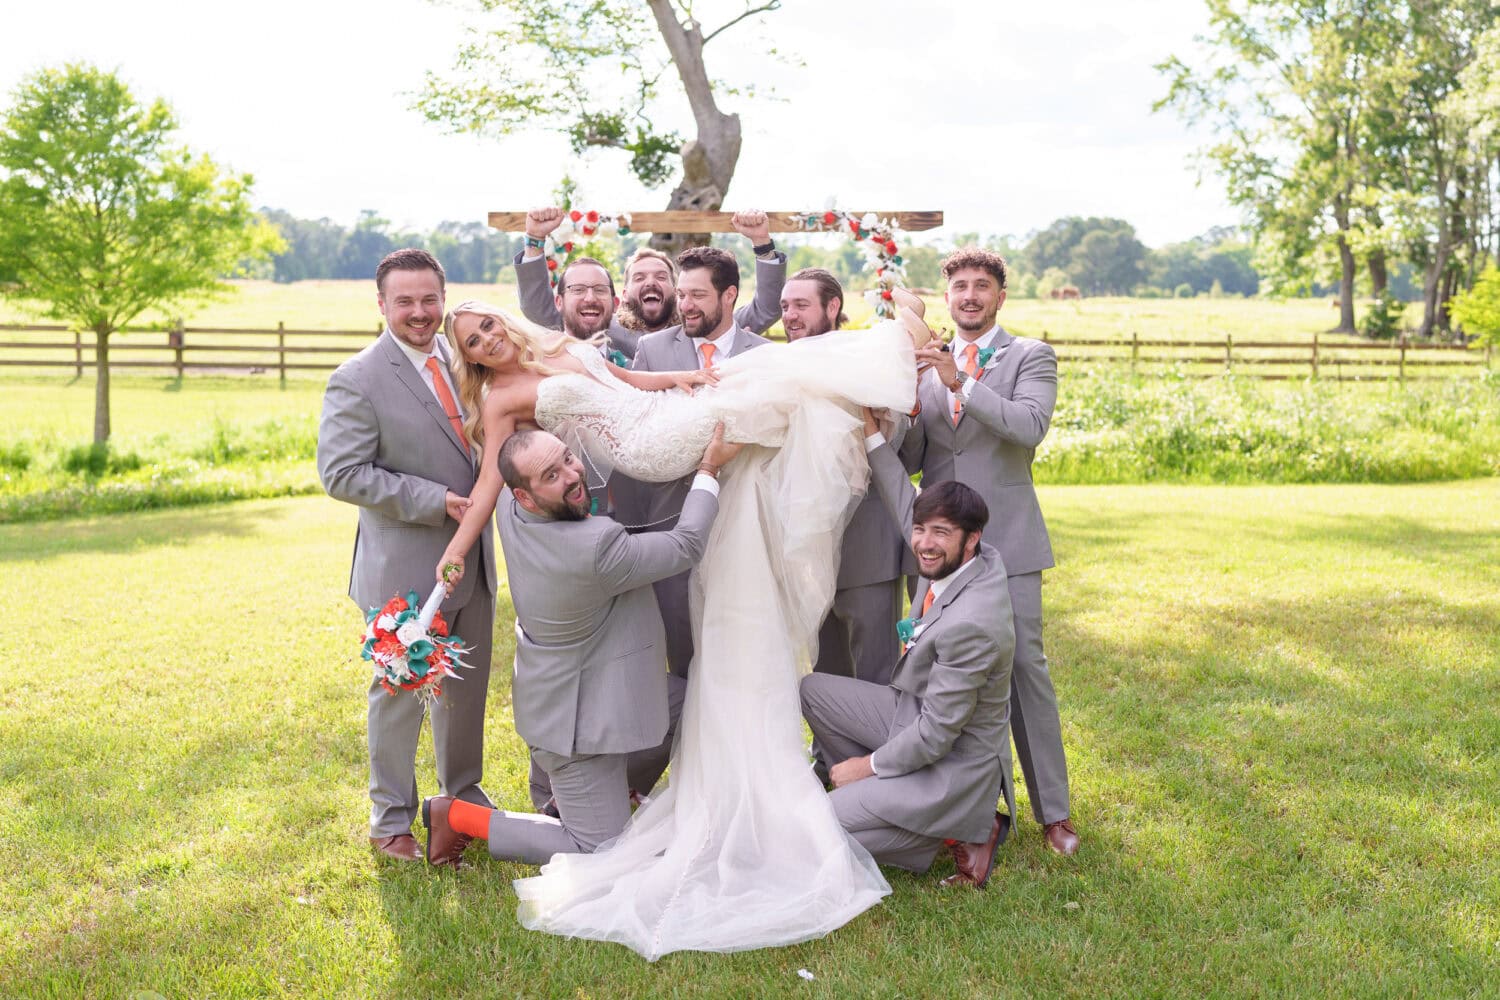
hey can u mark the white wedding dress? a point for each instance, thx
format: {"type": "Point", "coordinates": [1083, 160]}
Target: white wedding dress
{"type": "Point", "coordinates": [741, 849]}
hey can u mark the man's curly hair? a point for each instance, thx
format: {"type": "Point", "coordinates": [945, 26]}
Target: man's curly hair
{"type": "Point", "coordinates": [976, 257]}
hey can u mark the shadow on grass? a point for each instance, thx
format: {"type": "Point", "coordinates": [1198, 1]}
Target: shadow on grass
{"type": "Point", "coordinates": [147, 529]}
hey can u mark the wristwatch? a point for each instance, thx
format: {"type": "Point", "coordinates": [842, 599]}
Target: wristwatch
{"type": "Point", "coordinates": [769, 246]}
{"type": "Point", "coordinates": [536, 242]}
{"type": "Point", "coordinates": [957, 385]}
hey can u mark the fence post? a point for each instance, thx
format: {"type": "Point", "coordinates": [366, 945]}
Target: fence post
{"type": "Point", "coordinates": [281, 350]}
{"type": "Point", "coordinates": [1228, 354]}
{"type": "Point", "coordinates": [1402, 366]}
{"type": "Point", "coordinates": [174, 338]}
{"type": "Point", "coordinates": [1044, 336]}
{"type": "Point", "coordinates": [1135, 350]}
{"type": "Point", "coordinates": [1315, 354]}
{"type": "Point", "coordinates": [78, 353]}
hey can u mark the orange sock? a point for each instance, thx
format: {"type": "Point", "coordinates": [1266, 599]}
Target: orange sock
{"type": "Point", "coordinates": [466, 817]}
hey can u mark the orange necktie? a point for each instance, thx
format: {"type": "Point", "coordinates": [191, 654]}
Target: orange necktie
{"type": "Point", "coordinates": [707, 351]}
{"type": "Point", "coordinates": [971, 366]}
{"type": "Point", "coordinates": [450, 408]}
{"type": "Point", "coordinates": [927, 604]}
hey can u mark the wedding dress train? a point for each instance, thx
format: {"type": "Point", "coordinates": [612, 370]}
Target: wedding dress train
{"type": "Point", "coordinates": [741, 849]}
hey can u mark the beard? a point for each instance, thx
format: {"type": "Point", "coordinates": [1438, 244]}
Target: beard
{"type": "Point", "coordinates": [564, 511]}
{"type": "Point", "coordinates": [651, 316]}
{"type": "Point", "coordinates": [969, 324]}
{"type": "Point", "coordinates": [707, 323]}
{"type": "Point", "coordinates": [635, 320]}
{"type": "Point", "coordinates": [582, 328]}
{"type": "Point", "coordinates": [951, 564]}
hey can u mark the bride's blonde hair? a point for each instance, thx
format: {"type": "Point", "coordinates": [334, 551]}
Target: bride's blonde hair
{"type": "Point", "coordinates": [533, 344]}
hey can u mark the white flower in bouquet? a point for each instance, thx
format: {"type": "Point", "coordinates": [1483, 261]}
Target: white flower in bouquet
{"type": "Point", "coordinates": [410, 633]}
{"type": "Point", "coordinates": [386, 623]}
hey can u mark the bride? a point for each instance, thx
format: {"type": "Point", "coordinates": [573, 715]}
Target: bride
{"type": "Point", "coordinates": [741, 849]}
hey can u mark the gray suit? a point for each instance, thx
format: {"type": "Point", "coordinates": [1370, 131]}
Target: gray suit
{"type": "Point", "coordinates": [539, 302]}
{"type": "Point", "coordinates": [385, 446]}
{"type": "Point", "coordinates": [591, 687]}
{"type": "Point", "coordinates": [990, 449]}
{"type": "Point", "coordinates": [654, 506]}
{"type": "Point", "coordinates": [858, 638]}
{"type": "Point", "coordinates": [938, 733]}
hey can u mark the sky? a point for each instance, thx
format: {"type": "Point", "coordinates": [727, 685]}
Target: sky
{"type": "Point", "coordinates": [1004, 115]}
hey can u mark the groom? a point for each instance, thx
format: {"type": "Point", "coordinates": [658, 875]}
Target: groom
{"type": "Point", "coordinates": [708, 285]}
{"type": "Point", "coordinates": [923, 759]}
{"type": "Point", "coordinates": [592, 696]}
{"type": "Point", "coordinates": [391, 442]}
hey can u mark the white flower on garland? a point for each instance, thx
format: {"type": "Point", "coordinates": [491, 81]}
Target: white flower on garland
{"type": "Point", "coordinates": [876, 237]}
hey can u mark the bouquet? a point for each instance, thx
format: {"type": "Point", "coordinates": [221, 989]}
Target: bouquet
{"type": "Point", "coordinates": [410, 647]}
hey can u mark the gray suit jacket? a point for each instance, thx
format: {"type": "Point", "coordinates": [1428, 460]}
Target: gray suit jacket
{"type": "Point", "coordinates": [947, 758]}
{"type": "Point", "coordinates": [539, 303]}
{"type": "Point", "coordinates": [873, 552]}
{"type": "Point", "coordinates": [385, 446]}
{"type": "Point", "coordinates": [991, 447]}
{"type": "Point", "coordinates": [591, 667]}
{"type": "Point", "coordinates": [657, 504]}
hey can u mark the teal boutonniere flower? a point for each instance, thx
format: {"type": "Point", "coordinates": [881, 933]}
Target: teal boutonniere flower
{"type": "Point", "coordinates": [984, 356]}
{"type": "Point", "coordinates": [618, 359]}
{"type": "Point", "coordinates": [593, 505]}
{"type": "Point", "coordinates": [905, 629]}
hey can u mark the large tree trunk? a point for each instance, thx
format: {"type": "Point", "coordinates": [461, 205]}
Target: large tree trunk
{"type": "Point", "coordinates": [1346, 287]}
{"type": "Point", "coordinates": [1379, 278]}
{"type": "Point", "coordinates": [708, 159]}
{"type": "Point", "coordinates": [101, 384]}
{"type": "Point", "coordinates": [1432, 284]}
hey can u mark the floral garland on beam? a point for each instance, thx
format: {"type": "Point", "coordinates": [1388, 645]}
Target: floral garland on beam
{"type": "Point", "coordinates": [877, 238]}
{"type": "Point", "coordinates": [579, 225]}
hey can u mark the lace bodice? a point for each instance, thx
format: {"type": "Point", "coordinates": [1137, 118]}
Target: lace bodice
{"type": "Point", "coordinates": [656, 437]}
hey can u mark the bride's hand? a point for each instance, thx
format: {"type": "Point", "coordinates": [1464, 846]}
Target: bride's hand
{"type": "Point", "coordinates": [872, 425]}
{"type": "Point", "coordinates": [450, 570]}
{"type": "Point", "coordinates": [688, 382]}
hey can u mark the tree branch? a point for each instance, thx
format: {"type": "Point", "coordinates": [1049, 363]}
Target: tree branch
{"type": "Point", "coordinates": [763, 8]}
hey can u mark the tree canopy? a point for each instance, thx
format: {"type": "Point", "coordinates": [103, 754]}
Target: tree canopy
{"type": "Point", "coordinates": [601, 73]}
{"type": "Point", "coordinates": [102, 217]}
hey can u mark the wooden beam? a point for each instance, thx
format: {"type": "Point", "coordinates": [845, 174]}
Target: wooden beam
{"type": "Point", "coordinates": [718, 222]}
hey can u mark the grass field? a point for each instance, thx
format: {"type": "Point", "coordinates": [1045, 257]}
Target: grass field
{"type": "Point", "coordinates": [1279, 704]}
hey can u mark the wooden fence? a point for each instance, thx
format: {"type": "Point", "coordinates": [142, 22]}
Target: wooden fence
{"type": "Point", "coordinates": [213, 350]}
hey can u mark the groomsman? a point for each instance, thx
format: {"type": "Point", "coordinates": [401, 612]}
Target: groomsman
{"type": "Point", "coordinates": [984, 410]}
{"type": "Point", "coordinates": [923, 759]}
{"type": "Point", "coordinates": [591, 696]}
{"type": "Point", "coordinates": [708, 285]}
{"type": "Point", "coordinates": [858, 638]}
{"type": "Point", "coordinates": [391, 442]}
{"type": "Point", "coordinates": [650, 303]}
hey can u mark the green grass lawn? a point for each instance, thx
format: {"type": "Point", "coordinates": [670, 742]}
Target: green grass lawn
{"type": "Point", "coordinates": [1279, 705]}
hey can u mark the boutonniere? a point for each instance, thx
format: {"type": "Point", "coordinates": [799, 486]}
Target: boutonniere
{"type": "Point", "coordinates": [593, 505]}
{"type": "Point", "coordinates": [906, 630]}
{"type": "Point", "coordinates": [618, 359]}
{"type": "Point", "coordinates": [985, 354]}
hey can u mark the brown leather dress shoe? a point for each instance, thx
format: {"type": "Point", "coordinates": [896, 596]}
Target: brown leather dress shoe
{"type": "Point", "coordinates": [401, 846]}
{"type": "Point", "coordinates": [976, 861]}
{"type": "Point", "coordinates": [1061, 837]}
{"type": "Point", "coordinates": [445, 845]}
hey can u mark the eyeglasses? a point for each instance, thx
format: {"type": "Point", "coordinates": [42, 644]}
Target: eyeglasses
{"type": "Point", "coordinates": [603, 291]}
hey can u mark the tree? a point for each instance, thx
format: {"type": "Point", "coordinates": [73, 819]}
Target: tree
{"type": "Point", "coordinates": [102, 218]}
{"type": "Point", "coordinates": [1287, 89]}
{"type": "Point", "coordinates": [1478, 308]}
{"type": "Point", "coordinates": [558, 64]}
{"type": "Point", "coordinates": [1103, 256]}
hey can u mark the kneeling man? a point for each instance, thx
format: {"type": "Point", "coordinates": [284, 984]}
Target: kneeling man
{"type": "Point", "coordinates": [590, 694]}
{"type": "Point", "coordinates": [924, 759]}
